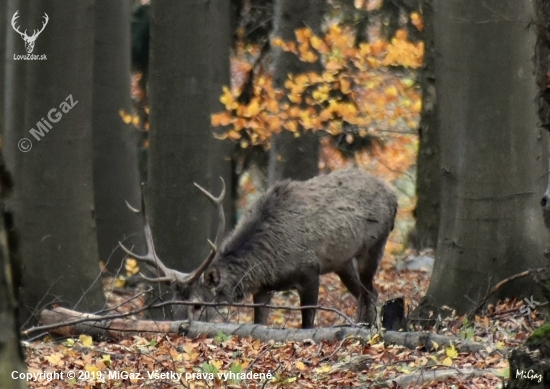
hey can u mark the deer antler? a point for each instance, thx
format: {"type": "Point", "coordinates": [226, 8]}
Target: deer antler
{"type": "Point", "coordinates": [171, 275]}
{"type": "Point", "coordinates": [218, 202]}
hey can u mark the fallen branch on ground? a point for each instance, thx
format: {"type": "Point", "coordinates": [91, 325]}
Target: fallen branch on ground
{"type": "Point", "coordinates": [422, 377]}
{"type": "Point", "coordinates": [412, 340]}
{"type": "Point", "coordinates": [81, 317]}
{"type": "Point", "coordinates": [497, 287]}
{"type": "Point", "coordinates": [64, 322]}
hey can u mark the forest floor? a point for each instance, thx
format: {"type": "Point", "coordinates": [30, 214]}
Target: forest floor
{"type": "Point", "coordinates": [110, 364]}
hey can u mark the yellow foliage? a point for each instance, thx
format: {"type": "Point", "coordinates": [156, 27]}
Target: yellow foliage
{"type": "Point", "coordinates": [321, 94]}
{"type": "Point", "coordinates": [308, 56]}
{"type": "Point", "coordinates": [227, 99]}
{"type": "Point", "coordinates": [345, 86]}
{"type": "Point", "coordinates": [416, 20]}
{"type": "Point", "coordinates": [303, 34]}
{"type": "Point", "coordinates": [352, 91]}
{"type": "Point", "coordinates": [291, 125]}
{"type": "Point", "coordinates": [86, 340]}
{"type": "Point", "coordinates": [252, 109]}
{"type": "Point", "coordinates": [221, 119]}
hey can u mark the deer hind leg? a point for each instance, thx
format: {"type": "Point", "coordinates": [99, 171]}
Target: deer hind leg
{"type": "Point", "coordinates": [368, 260]}
{"type": "Point", "coordinates": [350, 278]}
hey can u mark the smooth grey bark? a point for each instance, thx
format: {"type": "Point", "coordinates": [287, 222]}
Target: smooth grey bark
{"type": "Point", "coordinates": [180, 136]}
{"type": "Point", "coordinates": [428, 176]}
{"type": "Point", "coordinates": [221, 152]}
{"type": "Point", "coordinates": [3, 59]}
{"type": "Point", "coordinates": [534, 353]}
{"type": "Point", "coordinates": [290, 157]}
{"type": "Point", "coordinates": [493, 156]}
{"type": "Point", "coordinates": [116, 176]}
{"type": "Point", "coordinates": [52, 202]}
{"type": "Point", "coordinates": [11, 355]}
{"type": "Point", "coordinates": [543, 62]}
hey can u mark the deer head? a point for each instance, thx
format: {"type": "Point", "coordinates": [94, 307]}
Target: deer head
{"type": "Point", "coordinates": [184, 284]}
{"type": "Point", "coordinates": [29, 40]}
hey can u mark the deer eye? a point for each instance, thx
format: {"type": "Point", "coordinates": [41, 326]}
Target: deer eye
{"type": "Point", "coordinates": [197, 307]}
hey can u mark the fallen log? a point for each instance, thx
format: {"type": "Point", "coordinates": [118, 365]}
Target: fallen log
{"type": "Point", "coordinates": [65, 322]}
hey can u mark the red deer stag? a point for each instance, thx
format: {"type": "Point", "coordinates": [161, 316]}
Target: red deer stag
{"type": "Point", "coordinates": [294, 233]}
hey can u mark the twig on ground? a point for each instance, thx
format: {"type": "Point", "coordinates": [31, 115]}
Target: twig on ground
{"type": "Point", "coordinates": [433, 375]}
{"type": "Point", "coordinates": [497, 287]}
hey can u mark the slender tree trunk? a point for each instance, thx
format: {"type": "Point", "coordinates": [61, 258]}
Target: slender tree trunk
{"type": "Point", "coordinates": [180, 137]}
{"type": "Point", "coordinates": [428, 181]}
{"type": "Point", "coordinates": [53, 201]}
{"type": "Point", "coordinates": [493, 156]}
{"type": "Point", "coordinates": [221, 152]}
{"type": "Point", "coordinates": [11, 356]}
{"type": "Point", "coordinates": [116, 176]}
{"type": "Point", "coordinates": [290, 157]}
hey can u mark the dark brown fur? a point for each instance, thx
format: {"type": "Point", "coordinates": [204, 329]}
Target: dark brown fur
{"type": "Point", "coordinates": [299, 230]}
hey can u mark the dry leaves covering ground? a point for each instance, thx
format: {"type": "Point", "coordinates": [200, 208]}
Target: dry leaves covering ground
{"type": "Point", "coordinates": [108, 364]}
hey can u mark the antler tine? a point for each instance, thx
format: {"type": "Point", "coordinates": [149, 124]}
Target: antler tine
{"type": "Point", "coordinates": [215, 200]}
{"type": "Point", "coordinates": [169, 275]}
{"type": "Point", "coordinates": [192, 277]}
{"type": "Point", "coordinates": [218, 201]}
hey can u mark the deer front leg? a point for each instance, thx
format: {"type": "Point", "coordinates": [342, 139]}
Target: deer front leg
{"type": "Point", "coordinates": [261, 314]}
{"type": "Point", "coordinates": [367, 263]}
{"type": "Point", "coordinates": [308, 290]}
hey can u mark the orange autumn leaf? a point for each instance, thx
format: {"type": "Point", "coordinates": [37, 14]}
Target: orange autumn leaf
{"type": "Point", "coordinates": [416, 20]}
{"type": "Point", "coordinates": [345, 86]}
{"type": "Point", "coordinates": [309, 56]}
{"type": "Point", "coordinates": [221, 119]}
{"type": "Point", "coordinates": [303, 34]}
{"type": "Point", "coordinates": [252, 109]}
{"type": "Point", "coordinates": [291, 126]}
{"type": "Point", "coordinates": [272, 106]}
{"type": "Point", "coordinates": [401, 34]}
{"type": "Point", "coordinates": [234, 135]}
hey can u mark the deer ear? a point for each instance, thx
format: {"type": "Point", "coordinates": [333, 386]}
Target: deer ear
{"type": "Point", "coordinates": [212, 277]}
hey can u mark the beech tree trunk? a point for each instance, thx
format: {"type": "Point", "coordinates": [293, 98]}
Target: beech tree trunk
{"type": "Point", "coordinates": [428, 181]}
{"type": "Point", "coordinates": [290, 157]}
{"type": "Point", "coordinates": [116, 176]}
{"type": "Point", "coordinates": [493, 156]}
{"type": "Point", "coordinates": [3, 58]}
{"type": "Point", "coordinates": [53, 200]}
{"type": "Point", "coordinates": [221, 152]}
{"type": "Point", "coordinates": [180, 136]}
{"type": "Point", "coordinates": [11, 356]}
